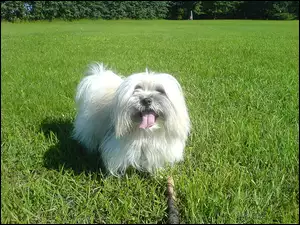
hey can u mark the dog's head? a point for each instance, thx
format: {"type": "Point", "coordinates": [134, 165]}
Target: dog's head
{"type": "Point", "coordinates": [150, 101]}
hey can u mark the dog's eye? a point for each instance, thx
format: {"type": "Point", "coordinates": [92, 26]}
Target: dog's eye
{"type": "Point", "coordinates": [160, 90]}
{"type": "Point", "coordinates": [138, 87]}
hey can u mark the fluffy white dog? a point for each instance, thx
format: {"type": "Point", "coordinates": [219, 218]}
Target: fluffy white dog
{"type": "Point", "coordinates": [140, 121]}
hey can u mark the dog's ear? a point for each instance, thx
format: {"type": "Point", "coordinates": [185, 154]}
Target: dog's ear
{"type": "Point", "coordinates": [175, 93]}
{"type": "Point", "coordinates": [121, 126]}
{"type": "Point", "coordinates": [121, 120]}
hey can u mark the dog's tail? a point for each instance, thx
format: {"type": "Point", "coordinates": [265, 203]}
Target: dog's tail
{"type": "Point", "coordinates": [96, 69]}
{"type": "Point", "coordinates": [98, 82]}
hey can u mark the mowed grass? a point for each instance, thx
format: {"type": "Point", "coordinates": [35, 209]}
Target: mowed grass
{"type": "Point", "coordinates": [240, 80]}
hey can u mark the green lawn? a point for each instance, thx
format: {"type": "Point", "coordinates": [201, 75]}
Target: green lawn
{"type": "Point", "coordinates": [240, 80]}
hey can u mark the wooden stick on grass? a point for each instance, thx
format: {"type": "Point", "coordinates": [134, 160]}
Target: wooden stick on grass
{"type": "Point", "coordinates": [173, 214]}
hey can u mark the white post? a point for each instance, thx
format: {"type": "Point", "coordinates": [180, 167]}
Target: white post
{"type": "Point", "coordinates": [191, 17]}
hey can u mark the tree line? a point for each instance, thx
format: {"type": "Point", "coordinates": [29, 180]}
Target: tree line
{"type": "Point", "coordinates": [178, 10]}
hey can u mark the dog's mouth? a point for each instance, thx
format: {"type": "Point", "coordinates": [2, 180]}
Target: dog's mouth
{"type": "Point", "coordinates": [148, 119]}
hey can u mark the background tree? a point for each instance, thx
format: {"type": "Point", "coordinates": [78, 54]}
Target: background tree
{"type": "Point", "coordinates": [179, 10]}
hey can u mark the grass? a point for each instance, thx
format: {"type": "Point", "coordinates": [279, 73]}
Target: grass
{"type": "Point", "coordinates": [240, 79]}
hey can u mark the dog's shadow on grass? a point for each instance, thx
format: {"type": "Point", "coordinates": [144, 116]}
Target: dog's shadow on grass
{"type": "Point", "coordinates": [68, 153]}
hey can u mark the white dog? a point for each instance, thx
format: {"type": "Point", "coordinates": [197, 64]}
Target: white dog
{"type": "Point", "coordinates": [140, 121]}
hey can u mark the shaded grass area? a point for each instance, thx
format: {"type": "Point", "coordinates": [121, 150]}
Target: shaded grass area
{"type": "Point", "coordinates": [240, 79]}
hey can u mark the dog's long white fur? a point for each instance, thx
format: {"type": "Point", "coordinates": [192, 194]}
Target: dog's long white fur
{"type": "Point", "coordinates": [105, 104]}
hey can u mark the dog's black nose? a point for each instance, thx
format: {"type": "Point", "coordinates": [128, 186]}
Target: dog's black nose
{"type": "Point", "coordinates": [147, 101]}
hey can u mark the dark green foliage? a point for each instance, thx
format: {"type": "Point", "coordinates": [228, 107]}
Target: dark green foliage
{"type": "Point", "coordinates": [222, 9]}
{"type": "Point", "coordinates": [283, 10]}
{"type": "Point", "coordinates": [180, 10]}
{"type": "Point", "coordinates": [13, 10]}
{"type": "Point", "coordinates": [235, 9]}
{"type": "Point", "coordinates": [72, 10]}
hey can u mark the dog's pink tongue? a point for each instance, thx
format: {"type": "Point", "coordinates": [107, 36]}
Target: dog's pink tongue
{"type": "Point", "coordinates": [148, 120]}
